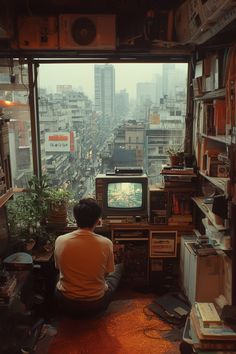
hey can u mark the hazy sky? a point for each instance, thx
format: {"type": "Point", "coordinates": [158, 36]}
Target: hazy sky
{"type": "Point", "coordinates": [82, 76]}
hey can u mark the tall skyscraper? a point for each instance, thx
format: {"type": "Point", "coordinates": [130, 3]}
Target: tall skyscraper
{"type": "Point", "coordinates": [122, 105]}
{"type": "Point", "coordinates": [158, 83]}
{"type": "Point", "coordinates": [168, 80]}
{"type": "Point", "coordinates": [145, 91]}
{"type": "Point", "coordinates": [104, 78]}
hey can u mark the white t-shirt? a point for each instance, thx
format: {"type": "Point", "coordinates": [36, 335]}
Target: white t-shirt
{"type": "Point", "coordinates": [83, 259]}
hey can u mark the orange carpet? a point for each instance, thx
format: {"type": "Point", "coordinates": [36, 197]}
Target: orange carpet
{"type": "Point", "coordinates": [126, 328]}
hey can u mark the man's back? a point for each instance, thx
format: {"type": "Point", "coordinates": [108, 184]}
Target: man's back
{"type": "Point", "coordinates": [83, 259]}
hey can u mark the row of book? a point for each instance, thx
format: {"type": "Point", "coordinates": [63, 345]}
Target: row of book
{"type": "Point", "coordinates": [208, 331]}
{"type": "Point", "coordinates": [176, 177]}
{"type": "Point", "coordinates": [177, 170]}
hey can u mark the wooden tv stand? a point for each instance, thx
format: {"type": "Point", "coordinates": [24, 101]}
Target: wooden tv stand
{"type": "Point", "coordinates": [109, 228]}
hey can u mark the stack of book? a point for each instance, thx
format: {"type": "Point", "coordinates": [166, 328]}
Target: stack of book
{"type": "Point", "coordinates": [177, 177]}
{"type": "Point", "coordinates": [203, 249]}
{"type": "Point", "coordinates": [172, 170]}
{"type": "Point", "coordinates": [208, 331]}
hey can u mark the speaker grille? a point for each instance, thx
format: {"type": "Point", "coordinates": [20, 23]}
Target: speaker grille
{"type": "Point", "coordinates": [83, 31]}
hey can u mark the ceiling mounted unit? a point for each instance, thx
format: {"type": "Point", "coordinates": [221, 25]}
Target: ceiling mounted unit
{"type": "Point", "coordinates": [37, 32]}
{"type": "Point", "coordinates": [88, 32]}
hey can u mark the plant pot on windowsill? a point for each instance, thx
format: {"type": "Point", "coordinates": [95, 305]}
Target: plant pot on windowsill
{"type": "Point", "coordinates": [57, 214]}
{"type": "Point", "coordinates": [58, 200]}
{"type": "Point", "coordinates": [176, 155]}
{"type": "Point", "coordinates": [176, 160]}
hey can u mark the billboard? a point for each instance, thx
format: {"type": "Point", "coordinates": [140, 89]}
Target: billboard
{"type": "Point", "coordinates": [154, 118]}
{"type": "Point", "coordinates": [59, 142]}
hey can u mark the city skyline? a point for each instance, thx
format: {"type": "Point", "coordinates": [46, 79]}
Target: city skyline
{"type": "Point", "coordinates": [126, 76]}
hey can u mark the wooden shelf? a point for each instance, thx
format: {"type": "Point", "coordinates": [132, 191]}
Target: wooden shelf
{"type": "Point", "coordinates": [219, 182]}
{"type": "Point", "coordinates": [9, 193]}
{"type": "Point", "coordinates": [4, 198]}
{"type": "Point", "coordinates": [180, 189]}
{"type": "Point", "coordinates": [216, 221]}
{"type": "Point", "coordinates": [219, 138]}
{"type": "Point", "coordinates": [220, 93]}
{"type": "Point", "coordinates": [222, 21]}
{"type": "Point", "coordinates": [14, 87]}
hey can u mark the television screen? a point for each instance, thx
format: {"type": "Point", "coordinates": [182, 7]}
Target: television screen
{"type": "Point", "coordinates": [124, 195]}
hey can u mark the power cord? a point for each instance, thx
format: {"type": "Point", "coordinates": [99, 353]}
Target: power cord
{"type": "Point", "coordinates": [153, 329]}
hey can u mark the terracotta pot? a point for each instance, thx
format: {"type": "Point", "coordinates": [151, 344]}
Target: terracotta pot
{"type": "Point", "coordinates": [57, 214]}
{"type": "Point", "coordinates": [175, 160]}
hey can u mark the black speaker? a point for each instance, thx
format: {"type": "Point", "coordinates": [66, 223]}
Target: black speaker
{"type": "Point", "coordinates": [220, 206]}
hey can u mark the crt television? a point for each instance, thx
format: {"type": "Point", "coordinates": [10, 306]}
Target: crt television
{"type": "Point", "coordinates": [122, 196]}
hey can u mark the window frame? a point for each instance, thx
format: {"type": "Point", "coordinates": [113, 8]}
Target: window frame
{"type": "Point", "coordinates": [34, 63]}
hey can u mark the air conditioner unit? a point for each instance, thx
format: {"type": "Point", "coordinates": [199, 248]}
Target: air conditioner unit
{"type": "Point", "coordinates": [87, 32]}
{"type": "Point", "coordinates": [37, 32]}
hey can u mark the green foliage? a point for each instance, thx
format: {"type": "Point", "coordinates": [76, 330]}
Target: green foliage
{"type": "Point", "coordinates": [175, 150]}
{"type": "Point", "coordinates": [24, 215]}
{"type": "Point", "coordinates": [59, 196]}
{"type": "Point", "coordinates": [27, 212]}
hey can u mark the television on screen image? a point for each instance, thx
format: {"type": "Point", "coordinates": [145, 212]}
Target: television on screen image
{"type": "Point", "coordinates": [122, 195]}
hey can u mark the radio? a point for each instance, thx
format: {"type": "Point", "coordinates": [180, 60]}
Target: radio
{"type": "Point", "coordinates": [222, 171]}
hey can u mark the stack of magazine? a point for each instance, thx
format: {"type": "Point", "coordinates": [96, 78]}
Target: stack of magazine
{"type": "Point", "coordinates": [208, 331]}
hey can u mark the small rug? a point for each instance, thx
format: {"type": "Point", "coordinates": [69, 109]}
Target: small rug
{"type": "Point", "coordinates": [128, 327]}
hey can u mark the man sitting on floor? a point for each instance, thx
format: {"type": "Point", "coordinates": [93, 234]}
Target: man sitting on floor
{"type": "Point", "coordinates": [88, 277]}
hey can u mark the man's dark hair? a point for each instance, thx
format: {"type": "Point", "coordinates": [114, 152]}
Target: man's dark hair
{"type": "Point", "coordinates": [87, 212]}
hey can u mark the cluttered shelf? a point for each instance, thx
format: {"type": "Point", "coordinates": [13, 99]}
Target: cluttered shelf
{"type": "Point", "coordinates": [219, 182]}
{"type": "Point", "coordinates": [224, 139]}
{"type": "Point", "coordinates": [178, 177]}
{"type": "Point", "coordinates": [216, 221]}
{"type": "Point", "coordinates": [219, 93]}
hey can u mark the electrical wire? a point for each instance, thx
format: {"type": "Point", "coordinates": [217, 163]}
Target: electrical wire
{"type": "Point", "coordinates": [153, 329]}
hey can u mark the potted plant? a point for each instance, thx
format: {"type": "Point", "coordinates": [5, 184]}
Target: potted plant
{"type": "Point", "coordinates": [27, 211]}
{"type": "Point", "coordinates": [58, 202]}
{"type": "Point", "coordinates": [39, 205]}
{"type": "Point", "coordinates": [176, 155]}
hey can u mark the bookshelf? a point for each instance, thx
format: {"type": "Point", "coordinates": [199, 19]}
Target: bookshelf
{"type": "Point", "coordinates": [215, 220]}
{"type": "Point", "coordinates": [170, 202]}
{"type": "Point", "coordinates": [219, 182]}
{"type": "Point", "coordinates": [214, 145]}
{"type": "Point", "coordinates": [220, 93]}
{"type": "Point", "coordinates": [220, 138]}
